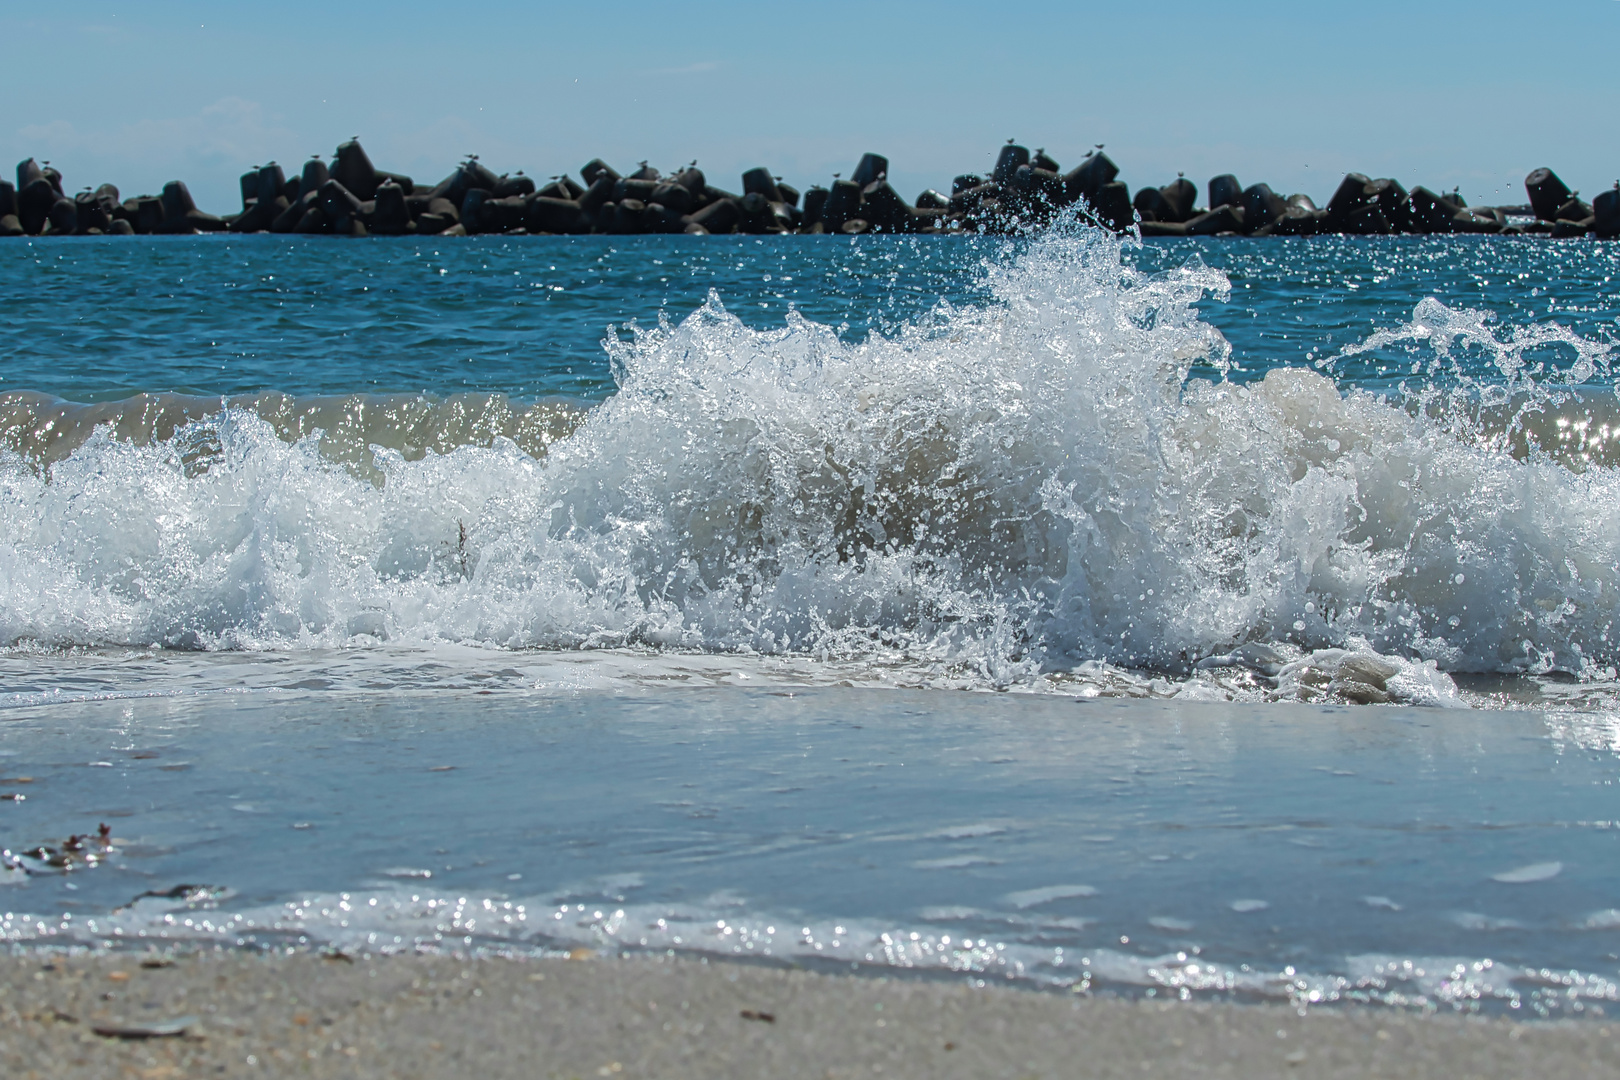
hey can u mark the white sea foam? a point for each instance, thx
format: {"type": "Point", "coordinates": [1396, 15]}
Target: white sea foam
{"type": "Point", "coordinates": [1019, 950]}
{"type": "Point", "coordinates": [999, 492]}
{"type": "Point", "coordinates": [1029, 898]}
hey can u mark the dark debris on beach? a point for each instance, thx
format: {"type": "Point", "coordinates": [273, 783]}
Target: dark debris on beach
{"type": "Point", "coordinates": [349, 196]}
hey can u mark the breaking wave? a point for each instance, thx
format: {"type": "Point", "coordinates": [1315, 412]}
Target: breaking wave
{"type": "Point", "coordinates": [1019, 487]}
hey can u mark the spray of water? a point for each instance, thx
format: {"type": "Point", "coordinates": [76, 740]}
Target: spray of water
{"type": "Point", "coordinates": [1009, 489]}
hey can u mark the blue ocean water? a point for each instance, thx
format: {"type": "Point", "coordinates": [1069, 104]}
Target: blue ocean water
{"type": "Point", "coordinates": [266, 505]}
{"type": "Point", "coordinates": [99, 320]}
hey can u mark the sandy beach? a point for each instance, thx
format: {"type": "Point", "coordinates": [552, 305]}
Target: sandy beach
{"type": "Point", "coordinates": [421, 1016]}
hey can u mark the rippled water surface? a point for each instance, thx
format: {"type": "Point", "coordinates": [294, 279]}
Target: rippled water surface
{"type": "Point", "coordinates": [1288, 853]}
{"type": "Point", "coordinates": [102, 319]}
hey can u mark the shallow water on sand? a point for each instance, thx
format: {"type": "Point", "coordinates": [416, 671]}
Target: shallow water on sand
{"type": "Point", "coordinates": [1310, 854]}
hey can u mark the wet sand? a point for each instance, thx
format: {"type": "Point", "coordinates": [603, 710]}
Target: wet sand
{"type": "Point", "coordinates": [422, 1017]}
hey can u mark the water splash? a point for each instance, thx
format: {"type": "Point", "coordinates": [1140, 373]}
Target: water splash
{"type": "Point", "coordinates": [1020, 487]}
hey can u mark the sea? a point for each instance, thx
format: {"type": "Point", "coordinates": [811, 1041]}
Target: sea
{"type": "Point", "coordinates": [1192, 618]}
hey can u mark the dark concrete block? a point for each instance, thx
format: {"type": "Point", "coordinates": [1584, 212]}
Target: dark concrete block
{"type": "Point", "coordinates": [34, 202]}
{"type": "Point", "coordinates": [391, 216]}
{"type": "Point", "coordinates": [148, 215]}
{"type": "Point", "coordinates": [1261, 206]}
{"type": "Point", "coordinates": [552, 215]}
{"type": "Point", "coordinates": [1113, 206]}
{"type": "Point", "coordinates": [673, 196]}
{"type": "Point", "coordinates": [1547, 193]}
{"type": "Point", "coordinates": [1180, 194]}
{"type": "Point", "coordinates": [1392, 201]}
{"type": "Point", "coordinates": [503, 215]}
{"type": "Point", "coordinates": [431, 224]}
{"type": "Point", "coordinates": [760, 181]}
{"type": "Point", "coordinates": [249, 183]}
{"type": "Point", "coordinates": [338, 203]}
{"type": "Point", "coordinates": [594, 170]}
{"type": "Point", "coordinates": [177, 200]}
{"type": "Point", "coordinates": [1574, 210]}
{"type": "Point", "coordinates": [600, 191]}
{"type": "Point", "coordinates": [843, 202]}
{"type": "Point", "coordinates": [872, 167]}
{"type": "Point", "coordinates": [1007, 163]}
{"type": "Point", "coordinates": [1352, 195]}
{"type": "Point", "coordinates": [885, 209]}
{"type": "Point", "coordinates": [63, 219]}
{"type": "Point", "coordinates": [1298, 220]}
{"type": "Point", "coordinates": [972, 198]}
{"type": "Point", "coordinates": [1364, 220]}
{"type": "Point", "coordinates": [313, 222]}
{"type": "Point", "coordinates": [1086, 180]}
{"type": "Point", "coordinates": [1606, 213]}
{"type": "Point", "coordinates": [28, 171]}
{"type": "Point", "coordinates": [719, 217]}
{"type": "Point", "coordinates": [692, 179]}
{"type": "Point", "coordinates": [1164, 228]}
{"type": "Point", "coordinates": [1038, 191]}
{"type": "Point", "coordinates": [287, 220]}
{"type": "Point", "coordinates": [269, 183]}
{"type": "Point", "coordinates": [353, 169]}
{"type": "Point", "coordinates": [1152, 205]}
{"type": "Point", "coordinates": [1224, 190]}
{"type": "Point", "coordinates": [314, 174]}
{"type": "Point", "coordinates": [516, 184]}
{"type": "Point", "coordinates": [471, 210]}
{"type": "Point", "coordinates": [631, 188]}
{"type": "Point", "coordinates": [814, 200]}
{"type": "Point", "coordinates": [1225, 218]}
{"type": "Point", "coordinates": [759, 215]}
{"type": "Point", "coordinates": [1428, 212]}
{"type": "Point", "coordinates": [90, 213]}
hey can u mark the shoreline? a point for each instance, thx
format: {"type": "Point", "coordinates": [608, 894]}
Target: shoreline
{"type": "Point", "coordinates": [416, 1015]}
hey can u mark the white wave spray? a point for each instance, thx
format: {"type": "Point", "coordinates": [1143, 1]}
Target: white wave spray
{"type": "Point", "coordinates": [1021, 486]}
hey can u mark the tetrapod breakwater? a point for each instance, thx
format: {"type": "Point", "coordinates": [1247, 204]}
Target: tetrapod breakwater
{"type": "Point", "coordinates": [349, 196]}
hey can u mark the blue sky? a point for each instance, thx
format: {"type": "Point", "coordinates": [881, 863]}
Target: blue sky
{"type": "Point", "coordinates": [1443, 94]}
